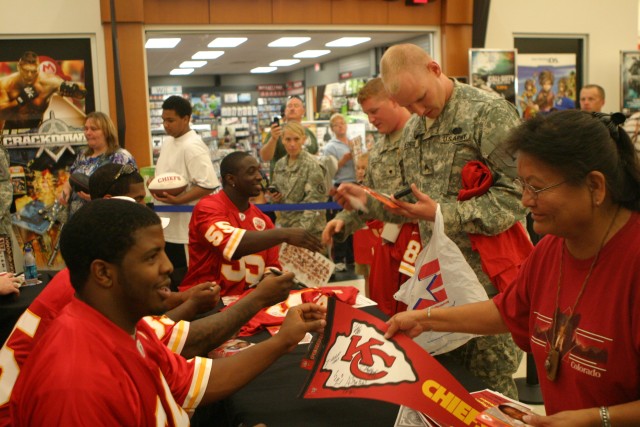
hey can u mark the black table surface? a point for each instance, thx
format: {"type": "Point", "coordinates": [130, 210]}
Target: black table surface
{"type": "Point", "coordinates": [12, 306]}
{"type": "Point", "coordinates": [272, 398]}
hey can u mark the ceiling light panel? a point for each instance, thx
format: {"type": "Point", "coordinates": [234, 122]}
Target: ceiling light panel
{"type": "Point", "coordinates": [193, 64]}
{"type": "Point", "coordinates": [227, 42]}
{"type": "Point", "coordinates": [162, 43]}
{"type": "Point", "coordinates": [181, 71]}
{"type": "Point", "coordinates": [311, 53]}
{"type": "Point", "coordinates": [289, 41]}
{"type": "Point", "coordinates": [208, 54]}
{"type": "Point", "coordinates": [348, 41]}
{"type": "Point", "coordinates": [262, 70]}
{"type": "Point", "coordinates": [284, 62]}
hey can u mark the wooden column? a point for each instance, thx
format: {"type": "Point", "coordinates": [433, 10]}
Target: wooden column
{"type": "Point", "coordinates": [456, 30]}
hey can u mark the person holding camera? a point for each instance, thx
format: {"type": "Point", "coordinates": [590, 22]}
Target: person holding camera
{"type": "Point", "coordinates": [272, 149]}
{"type": "Point", "coordinates": [299, 178]}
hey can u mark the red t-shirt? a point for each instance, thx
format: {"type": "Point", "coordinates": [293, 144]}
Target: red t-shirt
{"type": "Point", "coordinates": [393, 264]}
{"type": "Point", "coordinates": [600, 360]}
{"type": "Point", "coordinates": [36, 320]}
{"type": "Point", "coordinates": [215, 230]}
{"type": "Point", "coordinates": [87, 371]}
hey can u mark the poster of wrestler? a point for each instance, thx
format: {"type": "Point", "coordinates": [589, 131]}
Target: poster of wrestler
{"type": "Point", "coordinates": [46, 89]}
{"type": "Point", "coordinates": [494, 71]}
{"type": "Point", "coordinates": [546, 82]}
{"type": "Point", "coordinates": [630, 81]}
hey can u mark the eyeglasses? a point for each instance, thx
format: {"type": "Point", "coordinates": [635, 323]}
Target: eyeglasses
{"type": "Point", "coordinates": [523, 186]}
{"type": "Point", "coordinates": [126, 169]}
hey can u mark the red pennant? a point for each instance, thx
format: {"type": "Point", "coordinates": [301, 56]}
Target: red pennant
{"type": "Point", "coordinates": [353, 359]}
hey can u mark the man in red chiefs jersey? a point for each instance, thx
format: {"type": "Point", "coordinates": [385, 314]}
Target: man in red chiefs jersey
{"type": "Point", "coordinates": [231, 242]}
{"type": "Point", "coordinates": [186, 338]}
{"type": "Point", "coordinates": [98, 363]}
{"type": "Point", "coordinates": [395, 253]}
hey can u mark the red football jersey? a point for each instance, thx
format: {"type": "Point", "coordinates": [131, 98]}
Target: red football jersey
{"type": "Point", "coordinates": [393, 264]}
{"type": "Point", "coordinates": [215, 230]}
{"type": "Point", "coordinates": [87, 371]}
{"type": "Point", "coordinates": [36, 320]}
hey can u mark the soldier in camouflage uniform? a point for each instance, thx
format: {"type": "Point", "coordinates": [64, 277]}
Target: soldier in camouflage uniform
{"type": "Point", "coordinates": [6, 192]}
{"type": "Point", "coordinates": [383, 172]}
{"type": "Point", "coordinates": [459, 124]}
{"type": "Point", "coordinates": [299, 178]}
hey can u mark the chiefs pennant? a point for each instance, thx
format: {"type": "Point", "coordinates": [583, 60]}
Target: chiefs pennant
{"type": "Point", "coordinates": [353, 359]}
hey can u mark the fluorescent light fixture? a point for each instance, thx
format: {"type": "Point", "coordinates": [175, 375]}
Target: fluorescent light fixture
{"type": "Point", "coordinates": [289, 41]}
{"type": "Point", "coordinates": [227, 41]}
{"type": "Point", "coordinates": [284, 62]}
{"type": "Point", "coordinates": [162, 43]}
{"type": "Point", "coordinates": [348, 41]}
{"type": "Point", "coordinates": [263, 70]}
{"type": "Point", "coordinates": [208, 54]}
{"type": "Point", "coordinates": [193, 64]}
{"type": "Point", "coordinates": [181, 71]}
{"type": "Point", "coordinates": [311, 53]}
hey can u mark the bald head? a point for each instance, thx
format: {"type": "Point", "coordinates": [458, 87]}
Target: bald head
{"type": "Point", "coordinates": [402, 58]}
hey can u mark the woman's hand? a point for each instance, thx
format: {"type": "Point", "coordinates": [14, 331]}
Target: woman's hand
{"type": "Point", "coordinates": [9, 284]}
{"type": "Point", "coordinates": [84, 196]}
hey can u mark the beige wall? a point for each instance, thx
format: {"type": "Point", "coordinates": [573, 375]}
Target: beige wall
{"type": "Point", "coordinates": [610, 26]}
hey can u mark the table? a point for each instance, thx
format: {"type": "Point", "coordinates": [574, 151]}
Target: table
{"type": "Point", "coordinates": [271, 398]}
{"type": "Point", "coordinates": [12, 306]}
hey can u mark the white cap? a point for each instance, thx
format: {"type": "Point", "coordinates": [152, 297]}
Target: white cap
{"type": "Point", "coordinates": [164, 221]}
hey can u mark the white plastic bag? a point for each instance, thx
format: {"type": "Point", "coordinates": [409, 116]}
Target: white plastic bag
{"type": "Point", "coordinates": [443, 278]}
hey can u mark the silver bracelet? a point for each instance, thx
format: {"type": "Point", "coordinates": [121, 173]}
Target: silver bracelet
{"type": "Point", "coordinates": [604, 416]}
{"type": "Point", "coordinates": [429, 312]}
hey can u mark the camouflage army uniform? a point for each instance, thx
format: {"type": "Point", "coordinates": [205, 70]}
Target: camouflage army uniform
{"type": "Point", "coordinates": [470, 127]}
{"type": "Point", "coordinates": [310, 144]}
{"type": "Point", "coordinates": [301, 182]}
{"type": "Point", "coordinates": [6, 193]}
{"type": "Point", "coordinates": [383, 173]}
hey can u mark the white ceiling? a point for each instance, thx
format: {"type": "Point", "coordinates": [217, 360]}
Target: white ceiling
{"type": "Point", "coordinates": [255, 52]}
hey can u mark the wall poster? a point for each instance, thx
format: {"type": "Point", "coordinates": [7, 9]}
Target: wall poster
{"type": "Point", "coordinates": [546, 82]}
{"type": "Point", "coordinates": [46, 88]}
{"type": "Point", "coordinates": [494, 71]}
{"type": "Point", "coordinates": [630, 81]}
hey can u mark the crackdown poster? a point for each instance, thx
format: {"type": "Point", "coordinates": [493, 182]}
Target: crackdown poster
{"type": "Point", "coordinates": [46, 89]}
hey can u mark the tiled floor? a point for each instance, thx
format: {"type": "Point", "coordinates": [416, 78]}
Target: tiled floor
{"type": "Point", "coordinates": [350, 279]}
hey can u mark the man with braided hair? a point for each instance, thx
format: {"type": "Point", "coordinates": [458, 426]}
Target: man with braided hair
{"type": "Point", "coordinates": [25, 94]}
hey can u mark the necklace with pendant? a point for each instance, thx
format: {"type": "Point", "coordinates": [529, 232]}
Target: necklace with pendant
{"type": "Point", "coordinates": [552, 361]}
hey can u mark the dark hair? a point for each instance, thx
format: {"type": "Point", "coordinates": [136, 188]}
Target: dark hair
{"type": "Point", "coordinates": [577, 142]}
{"type": "Point", "coordinates": [103, 182]}
{"type": "Point", "coordinates": [102, 229]}
{"type": "Point", "coordinates": [230, 162]}
{"type": "Point", "coordinates": [29, 57]}
{"type": "Point", "coordinates": [181, 106]}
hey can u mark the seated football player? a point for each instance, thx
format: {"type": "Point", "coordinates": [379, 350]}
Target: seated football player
{"type": "Point", "coordinates": [99, 364]}
{"type": "Point", "coordinates": [186, 338]}
{"type": "Point", "coordinates": [231, 242]}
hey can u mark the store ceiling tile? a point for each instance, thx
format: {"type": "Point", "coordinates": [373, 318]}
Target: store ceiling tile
{"type": "Point", "coordinates": [255, 52]}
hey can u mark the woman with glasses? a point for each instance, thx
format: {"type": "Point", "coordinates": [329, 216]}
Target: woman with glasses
{"type": "Point", "coordinates": [573, 303]}
{"type": "Point", "coordinates": [102, 148]}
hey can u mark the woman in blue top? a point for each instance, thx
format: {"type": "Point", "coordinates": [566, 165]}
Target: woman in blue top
{"type": "Point", "coordinates": [102, 148]}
